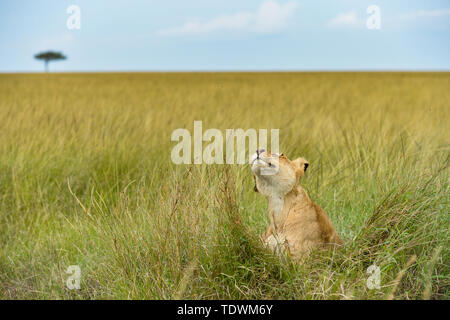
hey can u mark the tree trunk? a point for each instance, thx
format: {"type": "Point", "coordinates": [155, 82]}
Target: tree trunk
{"type": "Point", "coordinates": [46, 65]}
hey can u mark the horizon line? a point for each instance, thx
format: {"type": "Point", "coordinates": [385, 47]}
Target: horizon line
{"type": "Point", "coordinates": [238, 71]}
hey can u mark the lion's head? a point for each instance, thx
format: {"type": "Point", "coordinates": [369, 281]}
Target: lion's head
{"type": "Point", "coordinates": [275, 173]}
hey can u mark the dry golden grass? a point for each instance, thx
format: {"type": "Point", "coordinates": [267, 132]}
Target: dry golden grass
{"type": "Point", "coordinates": [86, 179]}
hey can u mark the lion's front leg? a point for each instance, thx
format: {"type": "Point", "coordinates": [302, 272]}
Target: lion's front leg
{"type": "Point", "coordinates": [267, 233]}
{"type": "Point", "coordinates": [276, 242]}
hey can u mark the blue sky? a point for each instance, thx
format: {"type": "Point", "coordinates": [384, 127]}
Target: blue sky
{"type": "Point", "coordinates": [147, 35]}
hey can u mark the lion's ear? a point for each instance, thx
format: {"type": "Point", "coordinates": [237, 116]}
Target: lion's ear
{"type": "Point", "coordinates": [301, 165]}
{"type": "Point", "coordinates": [255, 188]}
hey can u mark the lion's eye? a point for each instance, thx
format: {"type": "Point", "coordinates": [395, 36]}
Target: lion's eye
{"type": "Point", "coordinates": [270, 164]}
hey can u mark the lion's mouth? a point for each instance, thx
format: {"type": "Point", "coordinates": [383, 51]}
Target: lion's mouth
{"type": "Point", "coordinates": [262, 160]}
{"type": "Point", "coordinates": [263, 167]}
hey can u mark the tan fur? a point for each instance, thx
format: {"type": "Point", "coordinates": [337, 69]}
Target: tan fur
{"type": "Point", "coordinates": [297, 224]}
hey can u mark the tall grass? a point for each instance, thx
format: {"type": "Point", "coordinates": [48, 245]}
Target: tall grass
{"type": "Point", "coordinates": [86, 179]}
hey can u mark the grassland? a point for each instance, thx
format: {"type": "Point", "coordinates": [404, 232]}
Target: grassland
{"type": "Point", "coordinates": [86, 179]}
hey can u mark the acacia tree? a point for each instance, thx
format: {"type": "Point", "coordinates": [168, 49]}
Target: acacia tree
{"type": "Point", "coordinates": [49, 56]}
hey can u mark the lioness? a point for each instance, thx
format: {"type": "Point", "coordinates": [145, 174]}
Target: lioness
{"type": "Point", "coordinates": [296, 223]}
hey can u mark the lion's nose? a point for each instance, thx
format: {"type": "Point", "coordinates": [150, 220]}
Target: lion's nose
{"type": "Point", "coordinates": [259, 151]}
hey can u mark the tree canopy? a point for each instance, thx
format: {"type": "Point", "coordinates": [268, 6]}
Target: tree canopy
{"type": "Point", "coordinates": [49, 56]}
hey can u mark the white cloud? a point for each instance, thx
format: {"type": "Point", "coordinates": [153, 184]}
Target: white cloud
{"type": "Point", "coordinates": [344, 19]}
{"type": "Point", "coordinates": [270, 17]}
